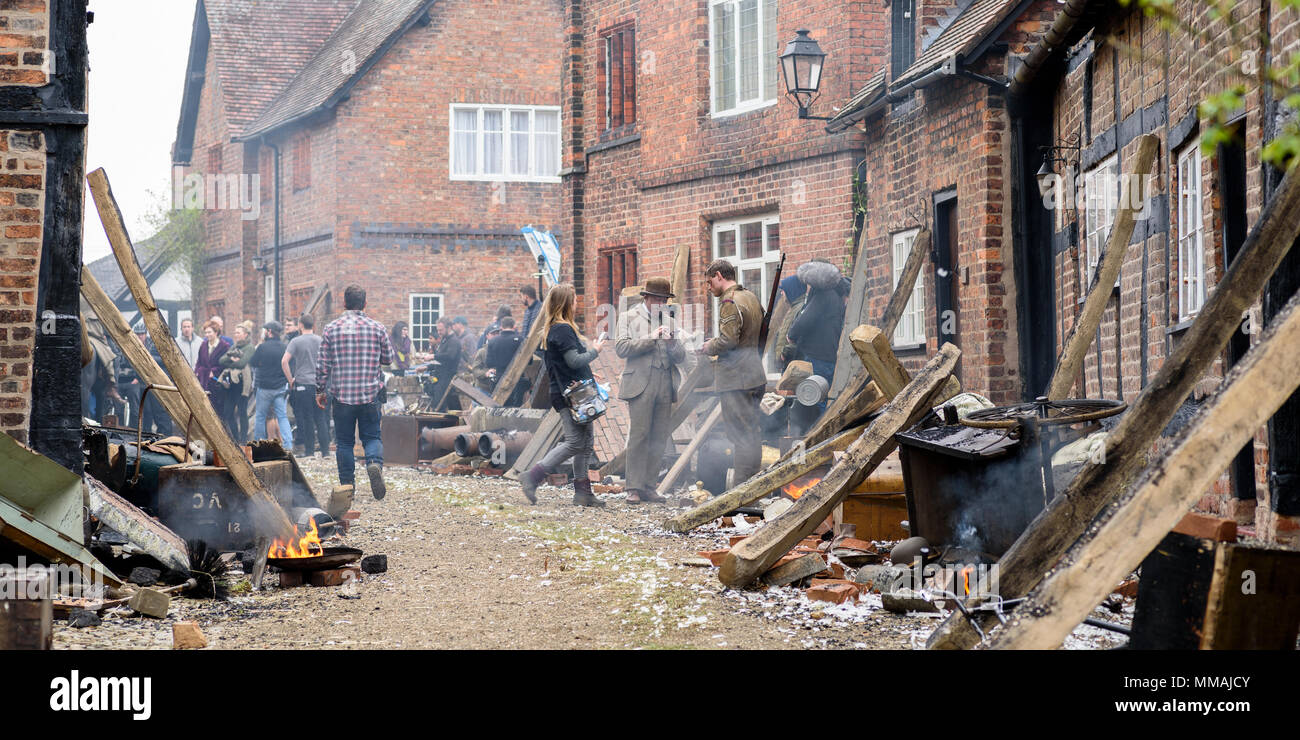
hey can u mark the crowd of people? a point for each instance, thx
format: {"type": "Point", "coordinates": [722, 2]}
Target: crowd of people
{"type": "Point", "coordinates": [337, 375]}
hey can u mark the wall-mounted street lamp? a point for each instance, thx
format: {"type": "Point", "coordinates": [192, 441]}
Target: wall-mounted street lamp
{"type": "Point", "coordinates": [259, 263]}
{"type": "Point", "coordinates": [1064, 155]}
{"type": "Point", "coordinates": [801, 66]}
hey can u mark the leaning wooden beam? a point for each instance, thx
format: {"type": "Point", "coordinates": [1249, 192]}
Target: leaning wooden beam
{"type": "Point", "coordinates": [1098, 484]}
{"type": "Point", "coordinates": [474, 393]}
{"type": "Point", "coordinates": [270, 516]}
{"type": "Point", "coordinates": [681, 266]}
{"type": "Point", "coordinates": [750, 558]}
{"type": "Point", "coordinates": [684, 459]}
{"type": "Point", "coordinates": [1255, 388]}
{"type": "Point", "coordinates": [1107, 272]}
{"type": "Point", "coordinates": [135, 352]}
{"type": "Point", "coordinates": [873, 348]}
{"type": "Point", "coordinates": [547, 434]}
{"type": "Point", "coordinates": [764, 483]}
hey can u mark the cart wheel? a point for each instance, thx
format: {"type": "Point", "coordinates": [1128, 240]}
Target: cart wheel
{"type": "Point", "coordinates": [1068, 411]}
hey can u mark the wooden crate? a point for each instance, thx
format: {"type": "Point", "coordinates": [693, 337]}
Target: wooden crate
{"type": "Point", "coordinates": [878, 516]}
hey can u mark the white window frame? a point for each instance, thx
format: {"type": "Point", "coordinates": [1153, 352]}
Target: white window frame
{"type": "Point", "coordinates": [507, 143]}
{"type": "Point", "coordinates": [911, 325]}
{"type": "Point", "coordinates": [1191, 233]}
{"type": "Point", "coordinates": [1099, 209]}
{"type": "Point", "coordinates": [766, 91]}
{"type": "Point", "coordinates": [268, 297]}
{"type": "Point", "coordinates": [766, 263]}
{"type": "Point", "coordinates": [410, 315]}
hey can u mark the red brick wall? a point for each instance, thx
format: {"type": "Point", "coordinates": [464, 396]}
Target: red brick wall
{"type": "Point", "coordinates": [24, 45]}
{"type": "Point", "coordinates": [22, 203]}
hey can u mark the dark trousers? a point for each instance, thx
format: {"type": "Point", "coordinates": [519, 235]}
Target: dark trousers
{"type": "Point", "coordinates": [349, 421]}
{"type": "Point", "coordinates": [154, 416]}
{"type": "Point", "coordinates": [313, 421]}
{"type": "Point", "coordinates": [740, 411]}
{"type": "Point", "coordinates": [236, 405]}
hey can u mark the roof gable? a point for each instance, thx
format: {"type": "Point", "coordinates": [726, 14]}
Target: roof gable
{"type": "Point", "coordinates": [349, 53]}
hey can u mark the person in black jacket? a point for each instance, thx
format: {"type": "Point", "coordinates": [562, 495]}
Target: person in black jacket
{"type": "Point", "coordinates": [447, 359]}
{"type": "Point", "coordinates": [502, 348]}
{"type": "Point", "coordinates": [815, 333]}
{"type": "Point", "coordinates": [568, 361]}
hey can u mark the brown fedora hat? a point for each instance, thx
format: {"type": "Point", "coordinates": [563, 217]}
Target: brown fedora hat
{"type": "Point", "coordinates": [658, 287]}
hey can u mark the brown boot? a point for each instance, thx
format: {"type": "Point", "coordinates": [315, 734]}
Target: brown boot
{"type": "Point", "coordinates": [582, 495]}
{"type": "Point", "coordinates": [634, 496]}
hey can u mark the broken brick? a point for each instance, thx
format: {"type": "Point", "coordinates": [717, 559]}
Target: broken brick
{"type": "Point", "coordinates": [836, 592]}
{"type": "Point", "coordinates": [188, 636]}
{"type": "Point", "coordinates": [1207, 527]}
{"type": "Point", "coordinates": [715, 556]}
{"type": "Point", "coordinates": [335, 576]}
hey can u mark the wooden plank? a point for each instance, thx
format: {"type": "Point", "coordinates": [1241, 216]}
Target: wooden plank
{"type": "Point", "coordinates": [1254, 600]}
{"type": "Point", "coordinates": [747, 492]}
{"type": "Point", "coordinates": [1109, 550]}
{"type": "Point", "coordinates": [1097, 484]}
{"type": "Point", "coordinates": [316, 298]}
{"type": "Point", "coordinates": [760, 551]}
{"type": "Point", "coordinates": [1070, 363]}
{"type": "Point", "coordinates": [685, 458]}
{"type": "Point", "coordinates": [877, 356]}
{"type": "Point", "coordinates": [273, 519]}
{"type": "Point", "coordinates": [681, 268]}
{"type": "Point", "coordinates": [1176, 578]}
{"type": "Point", "coordinates": [477, 395]}
{"type": "Point", "coordinates": [135, 352]}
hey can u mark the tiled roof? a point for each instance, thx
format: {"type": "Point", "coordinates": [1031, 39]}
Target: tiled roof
{"type": "Point", "coordinates": [847, 115]}
{"type": "Point", "coordinates": [344, 57]}
{"type": "Point", "coordinates": [967, 30]}
{"type": "Point", "coordinates": [259, 45]}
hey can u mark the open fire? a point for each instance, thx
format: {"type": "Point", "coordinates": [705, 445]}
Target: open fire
{"type": "Point", "coordinates": [306, 546]}
{"type": "Point", "coordinates": [795, 489]}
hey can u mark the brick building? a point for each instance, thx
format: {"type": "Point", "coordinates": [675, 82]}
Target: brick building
{"type": "Point", "coordinates": [397, 144]}
{"type": "Point", "coordinates": [42, 148]}
{"type": "Point", "coordinates": [955, 126]}
{"type": "Point", "coordinates": [677, 133]}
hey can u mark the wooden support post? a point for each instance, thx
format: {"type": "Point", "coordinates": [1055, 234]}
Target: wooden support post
{"type": "Point", "coordinates": [747, 492]}
{"type": "Point", "coordinates": [758, 552]}
{"type": "Point", "coordinates": [681, 267]}
{"type": "Point", "coordinates": [477, 395]}
{"type": "Point", "coordinates": [273, 519]}
{"type": "Point", "coordinates": [1257, 385]}
{"type": "Point", "coordinates": [135, 352]}
{"type": "Point", "coordinates": [1098, 484]}
{"type": "Point", "coordinates": [1085, 326]}
{"type": "Point", "coordinates": [873, 348]}
{"type": "Point", "coordinates": [684, 459]}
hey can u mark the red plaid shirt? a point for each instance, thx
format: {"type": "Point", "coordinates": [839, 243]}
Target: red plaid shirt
{"type": "Point", "coordinates": [351, 351]}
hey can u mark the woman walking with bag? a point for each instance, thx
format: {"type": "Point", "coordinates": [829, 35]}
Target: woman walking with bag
{"type": "Point", "coordinates": [237, 381]}
{"type": "Point", "coordinates": [568, 363]}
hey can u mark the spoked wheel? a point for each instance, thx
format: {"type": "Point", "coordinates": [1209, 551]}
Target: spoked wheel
{"type": "Point", "coordinates": [1067, 411]}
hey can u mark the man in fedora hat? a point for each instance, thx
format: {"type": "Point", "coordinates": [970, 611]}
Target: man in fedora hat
{"type": "Point", "coordinates": [647, 339]}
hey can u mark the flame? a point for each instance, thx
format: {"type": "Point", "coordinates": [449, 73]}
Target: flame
{"type": "Point", "coordinates": [307, 546]}
{"type": "Point", "coordinates": [794, 490]}
{"type": "Point", "coordinates": [965, 579]}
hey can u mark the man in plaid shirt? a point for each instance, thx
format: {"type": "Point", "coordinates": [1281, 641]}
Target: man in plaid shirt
{"type": "Point", "coordinates": [353, 347]}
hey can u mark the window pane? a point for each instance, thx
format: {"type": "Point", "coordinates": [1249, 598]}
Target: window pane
{"type": "Point", "coordinates": [492, 142]}
{"type": "Point", "coordinates": [724, 56]}
{"type": "Point", "coordinates": [726, 246]}
{"type": "Point", "coordinates": [752, 280]}
{"type": "Point", "coordinates": [774, 237]}
{"type": "Point", "coordinates": [519, 136]}
{"type": "Point", "coordinates": [547, 143]}
{"type": "Point", "coordinates": [749, 50]}
{"type": "Point", "coordinates": [771, 49]}
{"type": "Point", "coordinates": [752, 238]}
{"type": "Point", "coordinates": [465, 142]}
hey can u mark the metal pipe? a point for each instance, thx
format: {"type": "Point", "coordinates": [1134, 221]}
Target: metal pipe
{"type": "Point", "coordinates": [139, 427]}
{"type": "Point", "coordinates": [442, 440]}
{"type": "Point", "coordinates": [467, 445]}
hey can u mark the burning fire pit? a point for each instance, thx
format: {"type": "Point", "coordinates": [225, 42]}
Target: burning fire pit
{"type": "Point", "coordinates": [307, 554]}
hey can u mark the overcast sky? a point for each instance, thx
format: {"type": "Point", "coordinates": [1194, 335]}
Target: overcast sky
{"type": "Point", "coordinates": [138, 50]}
